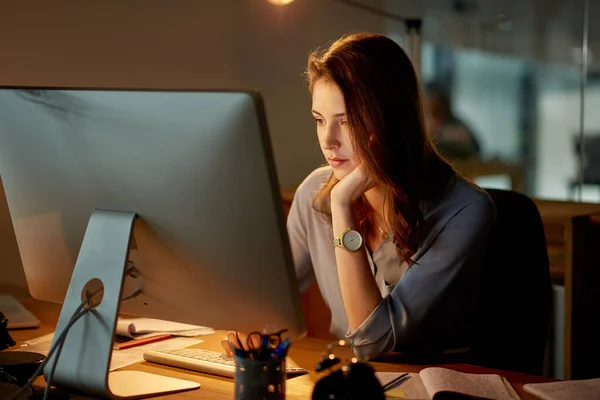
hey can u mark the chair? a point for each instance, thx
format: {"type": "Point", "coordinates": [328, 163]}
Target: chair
{"type": "Point", "coordinates": [515, 310]}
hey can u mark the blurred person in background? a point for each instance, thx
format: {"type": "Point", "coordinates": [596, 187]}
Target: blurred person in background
{"type": "Point", "coordinates": [452, 136]}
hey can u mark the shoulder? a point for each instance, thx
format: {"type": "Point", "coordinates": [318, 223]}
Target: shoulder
{"type": "Point", "coordinates": [312, 184]}
{"type": "Point", "coordinates": [463, 202]}
{"type": "Point", "coordinates": [474, 204]}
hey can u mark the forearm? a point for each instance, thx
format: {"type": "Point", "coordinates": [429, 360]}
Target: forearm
{"type": "Point", "coordinates": [357, 284]}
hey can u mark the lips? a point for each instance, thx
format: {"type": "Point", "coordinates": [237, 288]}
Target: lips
{"type": "Point", "coordinates": [336, 161]}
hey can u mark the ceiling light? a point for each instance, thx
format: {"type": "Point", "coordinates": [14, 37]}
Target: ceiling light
{"type": "Point", "coordinates": [280, 2]}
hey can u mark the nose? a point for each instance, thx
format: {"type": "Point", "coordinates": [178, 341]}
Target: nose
{"type": "Point", "coordinates": [330, 141]}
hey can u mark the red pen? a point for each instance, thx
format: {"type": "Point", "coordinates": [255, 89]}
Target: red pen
{"type": "Point", "coordinates": [140, 342]}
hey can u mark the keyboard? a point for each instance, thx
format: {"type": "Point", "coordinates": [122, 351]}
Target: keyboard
{"type": "Point", "coordinates": [206, 361]}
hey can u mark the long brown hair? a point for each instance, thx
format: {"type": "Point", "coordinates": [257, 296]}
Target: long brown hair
{"type": "Point", "coordinates": [385, 118]}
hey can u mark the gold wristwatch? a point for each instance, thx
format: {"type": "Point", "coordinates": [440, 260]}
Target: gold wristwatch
{"type": "Point", "coordinates": [350, 240]}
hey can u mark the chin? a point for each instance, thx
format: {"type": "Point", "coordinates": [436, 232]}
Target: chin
{"type": "Point", "coordinates": [341, 172]}
{"type": "Point", "coordinates": [339, 175]}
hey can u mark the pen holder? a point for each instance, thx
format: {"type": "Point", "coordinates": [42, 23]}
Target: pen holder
{"type": "Point", "coordinates": [259, 379]}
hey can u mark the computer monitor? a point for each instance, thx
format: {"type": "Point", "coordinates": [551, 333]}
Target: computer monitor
{"type": "Point", "coordinates": [191, 171]}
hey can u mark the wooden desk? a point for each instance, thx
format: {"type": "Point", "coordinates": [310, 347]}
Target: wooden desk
{"type": "Point", "coordinates": [559, 219]}
{"type": "Point", "coordinates": [305, 353]}
{"type": "Point", "coordinates": [572, 234]}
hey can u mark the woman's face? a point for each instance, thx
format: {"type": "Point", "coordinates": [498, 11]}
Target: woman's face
{"type": "Point", "coordinates": [329, 111]}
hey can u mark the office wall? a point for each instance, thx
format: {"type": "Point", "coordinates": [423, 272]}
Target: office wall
{"type": "Point", "coordinates": [486, 96]}
{"type": "Point", "coordinates": [248, 44]}
{"type": "Point", "coordinates": [181, 44]}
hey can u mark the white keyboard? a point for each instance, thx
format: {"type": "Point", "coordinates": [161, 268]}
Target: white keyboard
{"type": "Point", "coordinates": [209, 362]}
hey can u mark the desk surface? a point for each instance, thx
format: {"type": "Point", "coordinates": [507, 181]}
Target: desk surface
{"type": "Point", "coordinates": [305, 353]}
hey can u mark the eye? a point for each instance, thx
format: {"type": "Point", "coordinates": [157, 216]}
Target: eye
{"type": "Point", "coordinates": [319, 121]}
{"type": "Point", "coordinates": [343, 122]}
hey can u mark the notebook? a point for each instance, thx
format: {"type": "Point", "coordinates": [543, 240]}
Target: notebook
{"type": "Point", "coordinates": [582, 389]}
{"type": "Point", "coordinates": [438, 383]}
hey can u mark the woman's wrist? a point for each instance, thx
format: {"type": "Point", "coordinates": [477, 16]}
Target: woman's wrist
{"type": "Point", "coordinates": [341, 199]}
{"type": "Point", "coordinates": [340, 202]}
{"type": "Point", "coordinates": [343, 210]}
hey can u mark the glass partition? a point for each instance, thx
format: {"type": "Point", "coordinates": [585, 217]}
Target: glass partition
{"type": "Point", "coordinates": [509, 95]}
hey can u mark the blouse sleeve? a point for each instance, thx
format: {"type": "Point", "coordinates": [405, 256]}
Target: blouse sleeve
{"type": "Point", "coordinates": [396, 319]}
{"type": "Point", "coordinates": [297, 232]}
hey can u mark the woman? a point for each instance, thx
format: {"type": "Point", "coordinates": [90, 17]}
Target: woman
{"type": "Point", "coordinates": [393, 237]}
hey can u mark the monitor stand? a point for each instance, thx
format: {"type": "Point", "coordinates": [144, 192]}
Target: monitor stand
{"type": "Point", "coordinates": [84, 361]}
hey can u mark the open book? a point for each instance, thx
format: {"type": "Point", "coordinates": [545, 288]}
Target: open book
{"type": "Point", "coordinates": [441, 383]}
{"type": "Point", "coordinates": [138, 328]}
{"type": "Point", "coordinates": [582, 389]}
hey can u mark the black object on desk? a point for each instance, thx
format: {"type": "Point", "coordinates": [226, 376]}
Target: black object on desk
{"type": "Point", "coordinates": [6, 340]}
{"type": "Point", "coordinates": [346, 379]}
{"type": "Point", "coordinates": [17, 367]}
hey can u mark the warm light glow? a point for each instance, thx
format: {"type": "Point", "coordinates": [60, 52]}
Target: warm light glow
{"type": "Point", "coordinates": [331, 356]}
{"type": "Point", "coordinates": [280, 2]}
{"type": "Point", "coordinates": [354, 360]}
{"type": "Point", "coordinates": [342, 343]}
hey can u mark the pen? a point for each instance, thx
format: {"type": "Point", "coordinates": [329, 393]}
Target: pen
{"type": "Point", "coordinates": [140, 342]}
{"type": "Point", "coordinates": [397, 381]}
{"type": "Point", "coordinates": [510, 389]}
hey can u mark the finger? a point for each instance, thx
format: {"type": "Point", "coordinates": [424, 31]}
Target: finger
{"type": "Point", "coordinates": [227, 347]}
{"type": "Point", "coordinates": [232, 339]}
{"type": "Point", "coordinates": [238, 340]}
{"type": "Point", "coordinates": [243, 339]}
{"type": "Point", "coordinates": [255, 341]}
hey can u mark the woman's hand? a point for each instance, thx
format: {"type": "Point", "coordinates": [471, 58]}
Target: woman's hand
{"type": "Point", "coordinates": [237, 340]}
{"type": "Point", "coordinates": [351, 187]}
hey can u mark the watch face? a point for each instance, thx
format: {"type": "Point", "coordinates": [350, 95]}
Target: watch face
{"type": "Point", "coordinates": [352, 240]}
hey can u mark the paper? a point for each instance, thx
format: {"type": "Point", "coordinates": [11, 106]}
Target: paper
{"type": "Point", "coordinates": [583, 389]}
{"type": "Point", "coordinates": [487, 386]}
{"type": "Point", "coordinates": [139, 328]}
{"type": "Point", "coordinates": [17, 315]}
{"type": "Point", "coordinates": [41, 339]}
{"type": "Point", "coordinates": [120, 358]}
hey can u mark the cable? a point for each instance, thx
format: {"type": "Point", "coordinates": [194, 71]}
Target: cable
{"type": "Point", "coordinates": [11, 379]}
{"type": "Point", "coordinates": [51, 373]}
{"type": "Point", "coordinates": [79, 312]}
{"type": "Point", "coordinates": [53, 368]}
{"type": "Point", "coordinates": [58, 345]}
{"type": "Point", "coordinates": [135, 293]}
{"type": "Point", "coordinates": [88, 303]}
